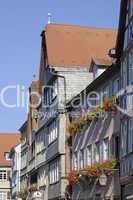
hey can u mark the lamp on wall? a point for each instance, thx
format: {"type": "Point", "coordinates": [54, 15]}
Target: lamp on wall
{"type": "Point", "coordinates": [103, 180]}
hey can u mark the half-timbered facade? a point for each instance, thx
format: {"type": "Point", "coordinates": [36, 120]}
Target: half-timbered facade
{"type": "Point", "coordinates": [124, 52]}
{"type": "Point", "coordinates": [94, 131]}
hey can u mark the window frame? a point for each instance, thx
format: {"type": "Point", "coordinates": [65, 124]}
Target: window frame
{"type": "Point", "coordinates": [89, 155]}
{"type": "Point", "coordinates": [97, 151]}
{"type": "Point", "coordinates": [53, 130]}
{"type": "Point", "coordinates": [81, 159]}
{"type": "Point", "coordinates": [75, 161]}
{"type": "Point", "coordinates": [123, 142]}
{"type": "Point", "coordinates": [105, 148]}
{"type": "Point", "coordinates": [3, 176]}
{"type": "Point", "coordinates": [54, 172]}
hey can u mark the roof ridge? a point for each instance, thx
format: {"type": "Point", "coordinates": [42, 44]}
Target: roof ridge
{"type": "Point", "coordinates": [80, 26]}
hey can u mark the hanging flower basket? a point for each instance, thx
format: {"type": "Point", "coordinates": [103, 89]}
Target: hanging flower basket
{"type": "Point", "coordinates": [109, 105]}
{"type": "Point", "coordinates": [93, 172]}
{"type": "Point", "coordinates": [73, 178]}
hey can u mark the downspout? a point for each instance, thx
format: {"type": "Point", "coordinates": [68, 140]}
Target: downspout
{"type": "Point", "coordinates": [65, 111]}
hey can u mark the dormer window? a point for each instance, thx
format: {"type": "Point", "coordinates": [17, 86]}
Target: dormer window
{"type": "Point", "coordinates": [6, 155]}
{"type": "Point", "coordinates": [98, 66]}
{"type": "Point", "coordinates": [97, 71]}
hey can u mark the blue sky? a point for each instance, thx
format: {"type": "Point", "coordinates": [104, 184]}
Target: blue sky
{"type": "Point", "coordinates": [21, 23]}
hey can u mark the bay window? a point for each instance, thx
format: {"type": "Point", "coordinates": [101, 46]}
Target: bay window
{"type": "Point", "coordinates": [53, 131]}
{"type": "Point", "coordinates": [54, 172]}
{"type": "Point", "coordinates": [50, 92]}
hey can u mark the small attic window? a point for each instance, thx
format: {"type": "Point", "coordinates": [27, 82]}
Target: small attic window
{"type": "Point", "coordinates": [6, 155]}
{"type": "Point", "coordinates": [97, 71]}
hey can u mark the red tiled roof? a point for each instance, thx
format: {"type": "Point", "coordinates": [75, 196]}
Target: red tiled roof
{"type": "Point", "coordinates": [7, 141]}
{"type": "Point", "coordinates": [69, 45]}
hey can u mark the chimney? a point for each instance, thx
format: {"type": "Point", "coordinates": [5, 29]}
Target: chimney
{"type": "Point", "coordinates": [49, 18]}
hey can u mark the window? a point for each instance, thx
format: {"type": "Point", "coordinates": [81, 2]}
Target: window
{"type": "Point", "coordinates": [81, 159]}
{"type": "Point", "coordinates": [123, 138]}
{"type": "Point", "coordinates": [116, 86]}
{"type": "Point", "coordinates": [130, 8]}
{"type": "Point", "coordinates": [105, 149]}
{"type": "Point", "coordinates": [6, 154]}
{"type": "Point", "coordinates": [130, 70]}
{"type": "Point", "coordinates": [93, 99]}
{"type": "Point", "coordinates": [124, 73]}
{"type": "Point", "coordinates": [3, 175]}
{"type": "Point", "coordinates": [97, 71]}
{"type": "Point", "coordinates": [130, 135]}
{"type": "Point", "coordinates": [3, 195]}
{"type": "Point", "coordinates": [126, 38]}
{"type": "Point", "coordinates": [54, 90]}
{"type": "Point", "coordinates": [75, 162]}
{"type": "Point", "coordinates": [106, 93]}
{"type": "Point", "coordinates": [130, 27]}
{"type": "Point", "coordinates": [115, 146]}
{"type": "Point", "coordinates": [54, 172]}
{"type": "Point", "coordinates": [23, 160]}
{"type": "Point", "coordinates": [50, 92]}
{"type": "Point", "coordinates": [42, 177]}
{"type": "Point", "coordinates": [40, 142]}
{"type": "Point", "coordinates": [97, 152]}
{"type": "Point", "coordinates": [53, 131]}
{"type": "Point", "coordinates": [89, 155]}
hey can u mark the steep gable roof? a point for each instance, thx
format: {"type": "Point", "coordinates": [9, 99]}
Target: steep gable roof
{"type": "Point", "coordinates": [7, 141]}
{"type": "Point", "coordinates": [69, 45]}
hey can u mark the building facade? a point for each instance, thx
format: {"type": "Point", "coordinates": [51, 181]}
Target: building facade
{"type": "Point", "coordinates": [64, 72]}
{"type": "Point", "coordinates": [15, 156]}
{"type": "Point", "coordinates": [95, 133]}
{"type": "Point", "coordinates": [7, 141]}
{"type": "Point", "coordinates": [124, 52]}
